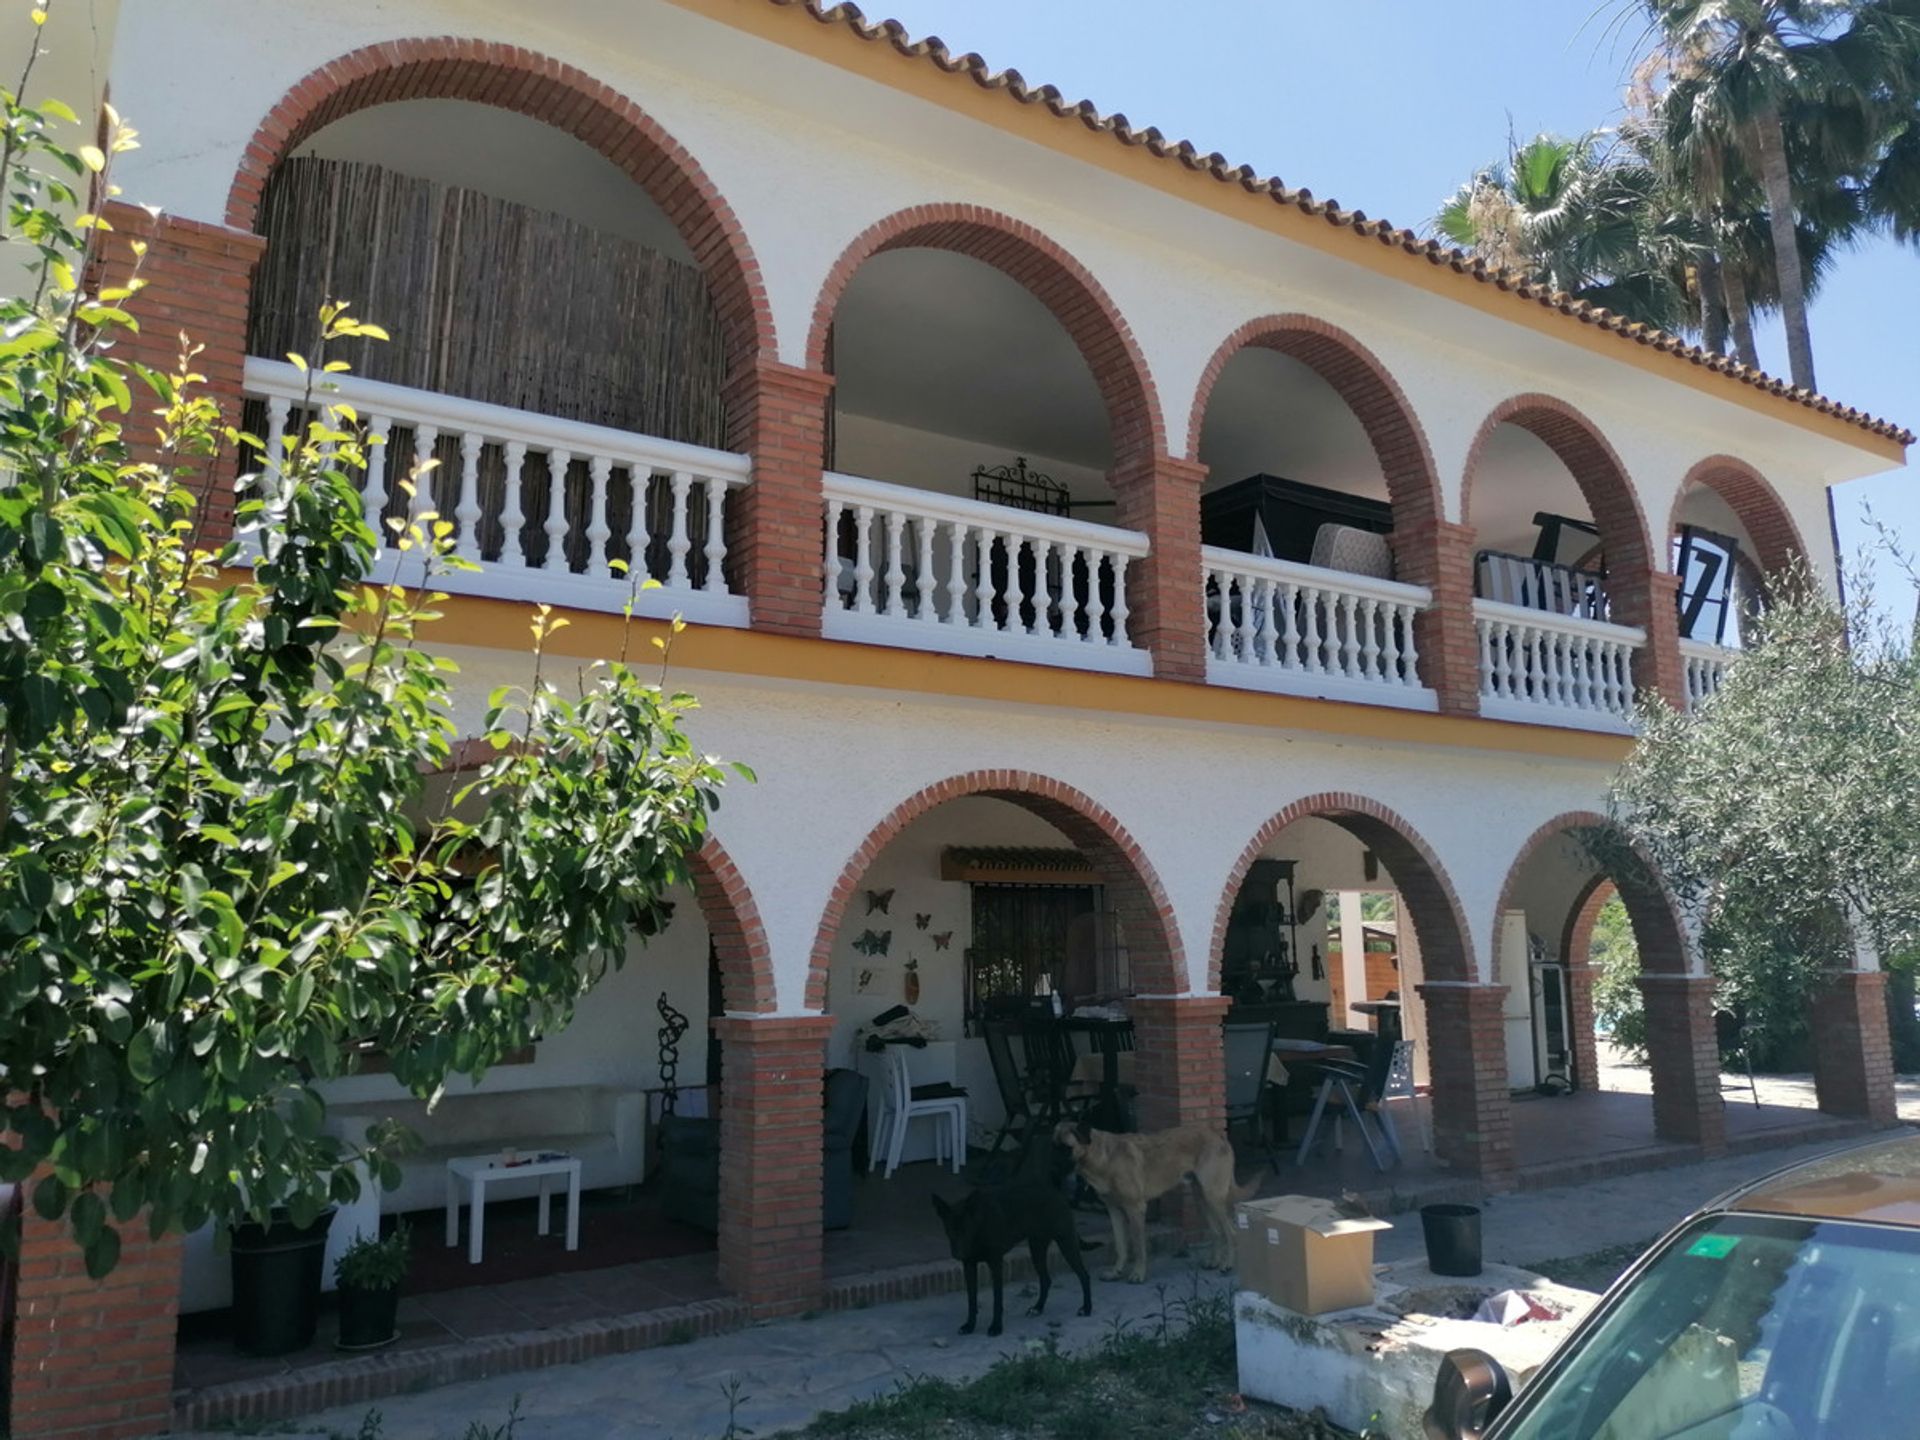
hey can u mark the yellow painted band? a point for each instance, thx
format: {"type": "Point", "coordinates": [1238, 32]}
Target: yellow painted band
{"type": "Point", "coordinates": [590, 635]}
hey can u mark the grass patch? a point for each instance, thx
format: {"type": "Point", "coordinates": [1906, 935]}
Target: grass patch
{"type": "Point", "coordinates": [1170, 1377]}
{"type": "Point", "coordinates": [1595, 1270]}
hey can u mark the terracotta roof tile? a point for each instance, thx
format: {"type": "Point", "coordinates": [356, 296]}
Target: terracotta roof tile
{"type": "Point", "coordinates": [1183, 152]}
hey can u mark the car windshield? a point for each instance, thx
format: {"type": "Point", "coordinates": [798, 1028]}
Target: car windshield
{"type": "Point", "coordinates": [1748, 1328]}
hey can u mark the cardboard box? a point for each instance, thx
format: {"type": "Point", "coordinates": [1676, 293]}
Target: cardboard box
{"type": "Point", "coordinates": [1301, 1253]}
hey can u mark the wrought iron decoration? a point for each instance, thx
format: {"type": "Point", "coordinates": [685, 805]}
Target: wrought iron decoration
{"type": "Point", "coordinates": [670, 1036]}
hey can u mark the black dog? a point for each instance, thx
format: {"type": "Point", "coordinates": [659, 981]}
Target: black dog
{"type": "Point", "coordinates": [982, 1228]}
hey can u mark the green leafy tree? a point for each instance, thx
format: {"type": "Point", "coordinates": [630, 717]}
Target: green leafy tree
{"type": "Point", "coordinates": [224, 870]}
{"type": "Point", "coordinates": [1784, 813]}
{"type": "Point", "coordinates": [1615, 955]}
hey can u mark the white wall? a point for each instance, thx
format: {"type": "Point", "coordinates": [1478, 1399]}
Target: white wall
{"type": "Point", "coordinates": [910, 868]}
{"type": "Point", "coordinates": [614, 1036]}
{"type": "Point", "coordinates": [834, 761]}
{"type": "Point", "coordinates": [900, 455]}
{"type": "Point", "coordinates": [811, 156]}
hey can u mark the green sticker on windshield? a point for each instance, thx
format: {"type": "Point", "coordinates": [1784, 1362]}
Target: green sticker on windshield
{"type": "Point", "coordinates": [1713, 1247]}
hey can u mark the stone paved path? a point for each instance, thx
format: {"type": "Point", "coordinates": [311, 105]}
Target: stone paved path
{"type": "Point", "coordinates": [794, 1370]}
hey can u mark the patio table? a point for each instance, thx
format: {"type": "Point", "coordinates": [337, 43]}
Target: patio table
{"type": "Point", "coordinates": [476, 1172]}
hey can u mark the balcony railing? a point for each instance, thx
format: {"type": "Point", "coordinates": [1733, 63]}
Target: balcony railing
{"type": "Point", "coordinates": [1555, 669]}
{"type": "Point", "coordinates": [1301, 630]}
{"type": "Point", "coordinates": [1702, 667]}
{"type": "Point", "coordinates": [544, 505]}
{"type": "Point", "coordinates": [928, 571]}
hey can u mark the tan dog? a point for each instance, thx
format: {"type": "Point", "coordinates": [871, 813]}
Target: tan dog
{"type": "Point", "coordinates": [1130, 1170]}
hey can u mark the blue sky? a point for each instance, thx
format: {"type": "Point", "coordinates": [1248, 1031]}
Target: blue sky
{"type": "Point", "coordinates": [1386, 105]}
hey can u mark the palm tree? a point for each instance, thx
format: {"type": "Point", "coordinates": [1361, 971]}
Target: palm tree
{"type": "Point", "coordinates": [1583, 214]}
{"type": "Point", "coordinates": [1736, 69]}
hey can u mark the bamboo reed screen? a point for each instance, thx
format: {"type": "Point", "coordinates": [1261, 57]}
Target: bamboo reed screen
{"type": "Point", "coordinates": [490, 301]}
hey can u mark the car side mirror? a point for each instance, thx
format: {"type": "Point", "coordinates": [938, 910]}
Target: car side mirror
{"type": "Point", "coordinates": [1470, 1390]}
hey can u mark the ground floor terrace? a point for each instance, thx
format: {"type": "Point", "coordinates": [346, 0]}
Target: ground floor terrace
{"type": "Point", "coordinates": [1080, 912]}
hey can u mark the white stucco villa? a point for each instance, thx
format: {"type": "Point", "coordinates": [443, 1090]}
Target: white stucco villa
{"type": "Point", "coordinates": [1069, 527]}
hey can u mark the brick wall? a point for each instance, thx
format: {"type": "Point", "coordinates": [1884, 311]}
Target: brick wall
{"type": "Point", "coordinates": [1439, 555]}
{"type": "Point", "coordinates": [1162, 499]}
{"type": "Point", "coordinates": [1852, 1046]}
{"type": "Point", "coordinates": [1775, 538]}
{"type": "Point", "coordinates": [776, 538]}
{"type": "Point", "coordinates": [198, 281]}
{"type": "Point", "coordinates": [1179, 1066]}
{"type": "Point", "coordinates": [92, 1358]}
{"type": "Point", "coordinates": [774, 1073]}
{"type": "Point", "coordinates": [1577, 951]}
{"type": "Point", "coordinates": [1467, 1060]}
{"type": "Point", "coordinates": [1684, 1057]}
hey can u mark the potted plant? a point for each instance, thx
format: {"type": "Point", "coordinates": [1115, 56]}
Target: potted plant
{"type": "Point", "coordinates": [276, 1281]}
{"type": "Point", "coordinates": [369, 1274]}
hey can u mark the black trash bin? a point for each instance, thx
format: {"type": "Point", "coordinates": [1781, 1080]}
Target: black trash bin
{"type": "Point", "coordinates": [1453, 1238]}
{"type": "Point", "coordinates": [276, 1284]}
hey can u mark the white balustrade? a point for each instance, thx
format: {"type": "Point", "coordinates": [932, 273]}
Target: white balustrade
{"type": "Point", "coordinates": [1301, 630]}
{"type": "Point", "coordinates": [927, 571]}
{"type": "Point", "coordinates": [1553, 669]}
{"type": "Point", "coordinates": [1701, 668]}
{"type": "Point", "coordinates": [496, 462]}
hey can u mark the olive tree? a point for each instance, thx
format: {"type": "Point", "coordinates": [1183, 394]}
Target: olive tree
{"type": "Point", "coordinates": [1784, 812]}
{"type": "Point", "coordinates": [224, 872]}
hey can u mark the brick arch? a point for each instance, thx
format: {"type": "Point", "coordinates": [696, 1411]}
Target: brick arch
{"type": "Point", "coordinates": [1596, 469]}
{"type": "Point", "coordinates": [556, 94]}
{"type": "Point", "coordinates": [1041, 266]}
{"type": "Point", "coordinates": [1778, 548]}
{"type": "Point", "coordinates": [1438, 918]}
{"type": "Point", "coordinates": [1363, 383]}
{"type": "Point", "coordinates": [1133, 886]}
{"type": "Point", "coordinates": [1657, 930]}
{"type": "Point", "coordinates": [733, 922]}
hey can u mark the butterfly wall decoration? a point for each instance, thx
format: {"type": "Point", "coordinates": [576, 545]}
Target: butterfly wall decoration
{"type": "Point", "coordinates": [866, 981]}
{"type": "Point", "coordinates": [874, 942]}
{"type": "Point", "coordinates": [879, 900]}
{"type": "Point", "coordinates": [920, 922]}
{"type": "Point", "coordinates": [943, 939]}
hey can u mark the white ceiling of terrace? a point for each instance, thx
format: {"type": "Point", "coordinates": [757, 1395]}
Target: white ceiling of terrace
{"type": "Point", "coordinates": [941, 342]}
{"type": "Point", "coordinates": [1519, 476]}
{"type": "Point", "coordinates": [504, 154]}
{"type": "Point", "coordinates": [1269, 414]}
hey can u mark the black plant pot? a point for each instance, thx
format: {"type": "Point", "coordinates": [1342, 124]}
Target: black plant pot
{"type": "Point", "coordinates": [276, 1284]}
{"type": "Point", "coordinates": [368, 1318]}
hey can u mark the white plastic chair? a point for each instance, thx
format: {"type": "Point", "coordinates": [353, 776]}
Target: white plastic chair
{"type": "Point", "coordinates": [898, 1110]}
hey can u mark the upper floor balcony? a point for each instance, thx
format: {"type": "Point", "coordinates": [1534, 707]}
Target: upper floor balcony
{"type": "Point", "coordinates": [982, 468]}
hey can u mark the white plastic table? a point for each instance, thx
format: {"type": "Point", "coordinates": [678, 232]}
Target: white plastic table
{"type": "Point", "coordinates": [476, 1172]}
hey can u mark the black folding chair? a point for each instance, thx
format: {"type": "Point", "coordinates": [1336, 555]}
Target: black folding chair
{"type": "Point", "coordinates": [1356, 1092]}
{"type": "Point", "coordinates": [1248, 1050]}
{"type": "Point", "coordinates": [1021, 1121]}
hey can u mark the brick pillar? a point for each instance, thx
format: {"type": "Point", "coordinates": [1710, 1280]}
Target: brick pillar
{"type": "Point", "coordinates": [1684, 1055]}
{"type": "Point", "coordinates": [1180, 1069]}
{"type": "Point", "coordinates": [1586, 1050]}
{"type": "Point", "coordinates": [1439, 555]}
{"type": "Point", "coordinates": [1467, 1058]}
{"type": "Point", "coordinates": [1161, 498]}
{"type": "Point", "coordinates": [775, 537]}
{"type": "Point", "coordinates": [772, 1088]}
{"type": "Point", "coordinates": [1852, 1046]}
{"type": "Point", "coordinates": [92, 1358]}
{"type": "Point", "coordinates": [1179, 1066]}
{"type": "Point", "coordinates": [1650, 601]}
{"type": "Point", "coordinates": [199, 280]}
